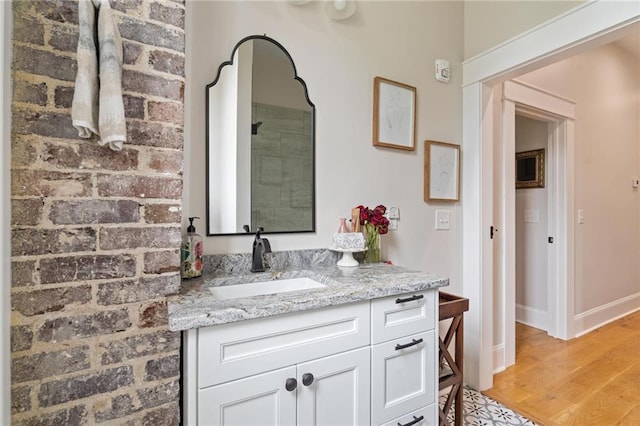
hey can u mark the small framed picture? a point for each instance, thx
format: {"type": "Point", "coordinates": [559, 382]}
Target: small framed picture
{"type": "Point", "coordinates": [394, 114]}
{"type": "Point", "coordinates": [530, 169]}
{"type": "Point", "coordinates": [441, 171]}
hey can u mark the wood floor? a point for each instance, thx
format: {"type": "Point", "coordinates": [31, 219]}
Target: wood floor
{"type": "Point", "coordinates": [592, 380]}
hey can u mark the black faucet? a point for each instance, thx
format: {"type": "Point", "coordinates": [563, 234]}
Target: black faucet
{"type": "Point", "coordinates": [260, 247]}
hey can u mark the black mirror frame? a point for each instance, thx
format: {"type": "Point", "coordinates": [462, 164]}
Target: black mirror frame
{"type": "Point", "coordinates": [313, 138]}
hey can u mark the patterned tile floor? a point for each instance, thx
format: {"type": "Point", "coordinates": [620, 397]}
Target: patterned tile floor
{"type": "Point", "coordinates": [480, 410]}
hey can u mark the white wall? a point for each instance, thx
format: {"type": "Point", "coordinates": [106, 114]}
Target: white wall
{"type": "Point", "coordinates": [605, 83]}
{"type": "Point", "coordinates": [5, 211]}
{"type": "Point", "coordinates": [531, 236]}
{"type": "Point", "coordinates": [489, 23]}
{"type": "Point", "coordinates": [338, 60]}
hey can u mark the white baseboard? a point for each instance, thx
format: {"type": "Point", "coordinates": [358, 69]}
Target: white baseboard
{"type": "Point", "coordinates": [602, 315]}
{"type": "Point", "coordinates": [532, 317]}
{"type": "Point", "coordinates": [498, 358]}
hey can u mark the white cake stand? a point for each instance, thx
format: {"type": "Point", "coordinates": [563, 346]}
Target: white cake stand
{"type": "Point", "coordinates": [347, 259]}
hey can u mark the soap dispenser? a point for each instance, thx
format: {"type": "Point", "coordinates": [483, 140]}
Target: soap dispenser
{"type": "Point", "coordinates": [191, 253]}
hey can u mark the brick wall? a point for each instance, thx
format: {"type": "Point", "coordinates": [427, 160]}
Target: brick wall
{"type": "Point", "coordinates": [95, 234]}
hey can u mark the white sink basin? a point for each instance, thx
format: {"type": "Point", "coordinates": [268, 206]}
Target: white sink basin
{"type": "Point", "coordinates": [264, 287]}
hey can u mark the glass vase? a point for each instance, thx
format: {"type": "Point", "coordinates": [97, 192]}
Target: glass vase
{"type": "Point", "coordinates": [372, 254]}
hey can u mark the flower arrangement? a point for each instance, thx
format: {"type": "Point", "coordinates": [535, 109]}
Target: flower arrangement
{"type": "Point", "coordinates": [375, 224]}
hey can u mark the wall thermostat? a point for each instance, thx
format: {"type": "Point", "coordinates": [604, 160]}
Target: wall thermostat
{"type": "Point", "coordinates": [443, 70]}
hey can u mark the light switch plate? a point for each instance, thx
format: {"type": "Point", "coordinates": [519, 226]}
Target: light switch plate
{"type": "Point", "coordinates": [394, 213]}
{"type": "Point", "coordinates": [531, 216]}
{"type": "Point", "coordinates": [442, 220]}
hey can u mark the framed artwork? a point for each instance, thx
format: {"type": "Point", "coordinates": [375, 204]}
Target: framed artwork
{"type": "Point", "coordinates": [530, 169]}
{"type": "Point", "coordinates": [394, 114]}
{"type": "Point", "coordinates": [441, 171]}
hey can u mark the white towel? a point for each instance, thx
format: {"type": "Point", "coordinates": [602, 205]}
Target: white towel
{"type": "Point", "coordinates": [107, 108]}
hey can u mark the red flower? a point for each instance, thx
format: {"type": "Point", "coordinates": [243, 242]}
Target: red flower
{"type": "Point", "coordinates": [375, 217]}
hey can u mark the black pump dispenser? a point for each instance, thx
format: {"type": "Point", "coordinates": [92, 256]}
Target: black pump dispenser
{"type": "Point", "coordinates": [191, 254]}
{"type": "Point", "coordinates": [191, 229]}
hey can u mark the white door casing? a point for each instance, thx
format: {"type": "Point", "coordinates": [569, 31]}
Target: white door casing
{"type": "Point", "coordinates": [586, 26]}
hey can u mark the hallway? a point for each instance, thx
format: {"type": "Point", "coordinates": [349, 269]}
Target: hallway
{"type": "Point", "coordinates": [591, 380]}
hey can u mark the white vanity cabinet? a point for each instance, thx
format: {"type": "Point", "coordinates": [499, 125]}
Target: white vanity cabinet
{"type": "Point", "coordinates": [365, 363]}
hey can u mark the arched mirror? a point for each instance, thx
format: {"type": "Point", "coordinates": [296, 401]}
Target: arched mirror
{"type": "Point", "coordinates": [260, 143]}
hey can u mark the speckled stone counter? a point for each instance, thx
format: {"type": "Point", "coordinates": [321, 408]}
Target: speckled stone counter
{"type": "Point", "coordinates": [196, 306]}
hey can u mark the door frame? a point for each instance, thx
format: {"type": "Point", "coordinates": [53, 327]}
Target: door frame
{"type": "Point", "coordinates": [526, 100]}
{"type": "Point", "coordinates": [586, 26]}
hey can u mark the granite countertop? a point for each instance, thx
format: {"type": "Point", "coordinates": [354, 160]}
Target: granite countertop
{"type": "Point", "coordinates": [196, 306]}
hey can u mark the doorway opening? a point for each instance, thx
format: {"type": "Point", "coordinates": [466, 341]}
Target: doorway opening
{"type": "Point", "coordinates": [531, 210]}
{"type": "Point", "coordinates": [589, 25]}
{"type": "Point", "coordinates": [547, 302]}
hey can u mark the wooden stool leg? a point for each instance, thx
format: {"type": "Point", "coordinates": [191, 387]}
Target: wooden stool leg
{"type": "Point", "coordinates": [459, 363]}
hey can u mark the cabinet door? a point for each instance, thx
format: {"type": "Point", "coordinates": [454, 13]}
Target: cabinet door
{"type": "Point", "coordinates": [339, 394]}
{"type": "Point", "coordinates": [402, 376]}
{"type": "Point", "coordinates": [259, 400]}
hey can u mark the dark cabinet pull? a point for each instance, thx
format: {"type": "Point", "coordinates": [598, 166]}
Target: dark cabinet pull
{"type": "Point", "coordinates": [307, 379]}
{"type": "Point", "coordinates": [408, 345]}
{"type": "Point", "coordinates": [410, 299]}
{"type": "Point", "coordinates": [412, 422]}
{"type": "Point", "coordinates": [291, 384]}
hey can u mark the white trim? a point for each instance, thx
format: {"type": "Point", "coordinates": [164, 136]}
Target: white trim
{"type": "Point", "coordinates": [585, 26]}
{"type": "Point", "coordinates": [508, 235]}
{"type": "Point", "coordinates": [561, 254]}
{"type": "Point", "coordinates": [5, 211]}
{"type": "Point", "coordinates": [602, 315]}
{"type": "Point", "coordinates": [532, 317]}
{"type": "Point", "coordinates": [498, 359]}
{"type": "Point", "coordinates": [528, 94]}
{"type": "Point", "coordinates": [551, 40]}
{"type": "Point", "coordinates": [476, 220]}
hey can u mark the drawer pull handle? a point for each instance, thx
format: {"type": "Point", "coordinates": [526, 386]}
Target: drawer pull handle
{"type": "Point", "coordinates": [307, 379]}
{"type": "Point", "coordinates": [412, 422]}
{"type": "Point", "coordinates": [410, 299]}
{"type": "Point", "coordinates": [291, 384]}
{"type": "Point", "coordinates": [408, 345]}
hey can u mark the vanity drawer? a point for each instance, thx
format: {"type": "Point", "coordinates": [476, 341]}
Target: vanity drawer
{"type": "Point", "coordinates": [398, 316]}
{"type": "Point", "coordinates": [235, 350]}
{"type": "Point", "coordinates": [425, 416]}
{"type": "Point", "coordinates": [402, 376]}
